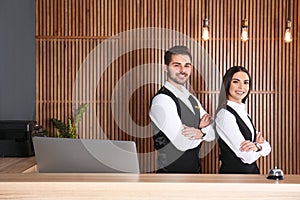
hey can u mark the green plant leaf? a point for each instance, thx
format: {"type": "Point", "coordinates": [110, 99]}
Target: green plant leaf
{"type": "Point", "coordinates": [69, 130]}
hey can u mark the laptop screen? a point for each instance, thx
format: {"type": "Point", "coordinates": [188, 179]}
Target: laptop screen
{"type": "Point", "coordinates": [65, 155]}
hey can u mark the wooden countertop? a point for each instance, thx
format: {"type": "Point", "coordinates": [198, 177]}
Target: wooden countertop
{"type": "Point", "coordinates": [146, 186]}
{"type": "Point", "coordinates": [146, 178]}
{"type": "Point", "coordinates": [32, 185]}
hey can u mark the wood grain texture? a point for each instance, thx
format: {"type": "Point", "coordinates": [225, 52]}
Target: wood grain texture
{"type": "Point", "coordinates": [68, 31]}
{"type": "Point", "coordinates": [16, 165]}
{"type": "Point", "coordinates": [146, 186]}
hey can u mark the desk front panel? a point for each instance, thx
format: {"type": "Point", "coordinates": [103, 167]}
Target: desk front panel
{"type": "Point", "coordinates": [147, 186]}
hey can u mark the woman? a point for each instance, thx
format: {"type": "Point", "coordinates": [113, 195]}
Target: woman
{"type": "Point", "coordinates": [240, 144]}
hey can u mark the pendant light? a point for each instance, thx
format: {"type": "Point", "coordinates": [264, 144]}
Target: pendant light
{"type": "Point", "coordinates": [288, 30]}
{"type": "Point", "coordinates": [244, 34]}
{"type": "Point", "coordinates": [205, 28]}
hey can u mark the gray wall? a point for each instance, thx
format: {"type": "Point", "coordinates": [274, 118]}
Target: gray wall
{"type": "Point", "coordinates": [17, 59]}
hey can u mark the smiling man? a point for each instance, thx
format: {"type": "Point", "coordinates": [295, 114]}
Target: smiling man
{"type": "Point", "coordinates": [179, 122]}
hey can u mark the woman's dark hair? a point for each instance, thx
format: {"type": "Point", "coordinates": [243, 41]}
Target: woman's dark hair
{"type": "Point", "coordinates": [226, 85]}
{"type": "Point", "coordinates": [182, 50]}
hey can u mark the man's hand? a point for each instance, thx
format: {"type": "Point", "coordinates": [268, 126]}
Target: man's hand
{"type": "Point", "coordinates": [191, 133]}
{"type": "Point", "coordinates": [205, 121]}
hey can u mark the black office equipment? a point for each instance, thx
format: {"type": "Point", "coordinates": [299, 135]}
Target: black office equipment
{"type": "Point", "coordinates": [15, 138]}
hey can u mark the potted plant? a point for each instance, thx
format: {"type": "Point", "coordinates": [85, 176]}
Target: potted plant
{"type": "Point", "coordinates": [69, 129]}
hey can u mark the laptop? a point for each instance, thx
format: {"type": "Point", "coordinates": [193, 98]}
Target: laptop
{"type": "Point", "coordinates": [64, 155]}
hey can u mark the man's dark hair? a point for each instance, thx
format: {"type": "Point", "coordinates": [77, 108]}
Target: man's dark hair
{"type": "Point", "coordinates": [182, 50]}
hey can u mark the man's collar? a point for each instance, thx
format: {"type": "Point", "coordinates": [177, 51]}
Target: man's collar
{"type": "Point", "coordinates": [174, 89]}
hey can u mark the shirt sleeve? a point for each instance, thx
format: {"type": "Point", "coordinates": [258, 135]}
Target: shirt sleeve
{"type": "Point", "coordinates": [228, 130]}
{"type": "Point", "coordinates": [266, 148]}
{"type": "Point", "coordinates": [163, 113]}
{"type": "Point", "coordinates": [208, 130]}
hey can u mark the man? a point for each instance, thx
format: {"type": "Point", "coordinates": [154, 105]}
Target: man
{"type": "Point", "coordinates": [179, 122]}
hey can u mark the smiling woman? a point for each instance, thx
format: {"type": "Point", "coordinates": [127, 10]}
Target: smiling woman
{"type": "Point", "coordinates": [239, 87]}
{"type": "Point", "coordinates": [241, 145]}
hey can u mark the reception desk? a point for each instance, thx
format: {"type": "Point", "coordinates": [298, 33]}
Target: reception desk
{"type": "Point", "coordinates": [146, 186]}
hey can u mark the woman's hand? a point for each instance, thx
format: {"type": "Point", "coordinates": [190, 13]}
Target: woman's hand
{"type": "Point", "coordinates": [253, 146]}
{"type": "Point", "coordinates": [205, 121]}
{"type": "Point", "coordinates": [259, 138]}
{"type": "Point", "coordinates": [191, 133]}
{"type": "Point", "coordinates": [248, 146]}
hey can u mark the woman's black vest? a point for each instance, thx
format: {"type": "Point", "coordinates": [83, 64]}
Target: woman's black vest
{"type": "Point", "coordinates": [170, 159]}
{"type": "Point", "coordinates": [230, 163]}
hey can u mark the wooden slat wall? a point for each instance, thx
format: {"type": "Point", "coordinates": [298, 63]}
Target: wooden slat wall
{"type": "Point", "coordinates": [68, 31]}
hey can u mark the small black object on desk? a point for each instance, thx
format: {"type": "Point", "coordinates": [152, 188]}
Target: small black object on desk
{"type": "Point", "coordinates": [275, 174]}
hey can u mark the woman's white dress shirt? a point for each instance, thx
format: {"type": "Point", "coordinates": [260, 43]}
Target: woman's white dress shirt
{"type": "Point", "coordinates": [228, 130]}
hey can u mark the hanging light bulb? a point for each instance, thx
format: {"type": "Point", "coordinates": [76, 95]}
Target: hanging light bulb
{"type": "Point", "coordinates": [205, 30]}
{"type": "Point", "coordinates": [288, 29]}
{"type": "Point", "coordinates": [244, 36]}
{"type": "Point", "coordinates": [288, 32]}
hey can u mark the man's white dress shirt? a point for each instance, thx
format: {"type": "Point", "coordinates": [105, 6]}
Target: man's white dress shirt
{"type": "Point", "coordinates": [164, 116]}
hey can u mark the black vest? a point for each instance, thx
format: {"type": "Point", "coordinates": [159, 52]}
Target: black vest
{"type": "Point", "coordinates": [170, 159]}
{"type": "Point", "coordinates": [230, 163]}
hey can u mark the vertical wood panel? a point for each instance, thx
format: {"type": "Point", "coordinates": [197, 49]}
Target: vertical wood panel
{"type": "Point", "coordinates": [68, 31]}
